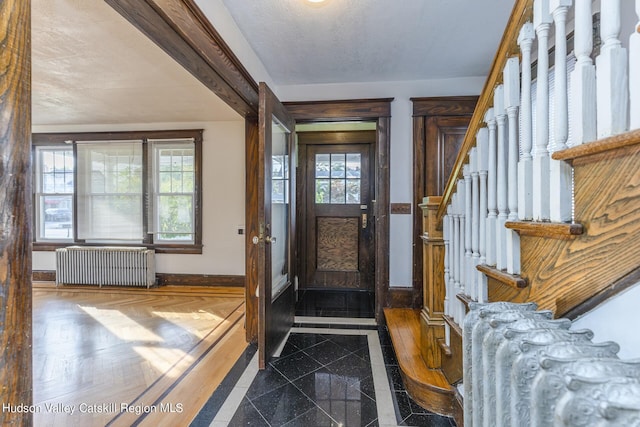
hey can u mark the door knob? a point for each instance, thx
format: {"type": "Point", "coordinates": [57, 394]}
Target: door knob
{"type": "Point", "coordinates": [268, 239]}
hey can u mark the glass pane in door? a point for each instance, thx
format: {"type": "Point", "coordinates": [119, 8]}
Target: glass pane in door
{"type": "Point", "coordinates": [279, 207]}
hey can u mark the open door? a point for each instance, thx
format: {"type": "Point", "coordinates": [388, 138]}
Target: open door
{"type": "Point", "coordinates": [276, 175]}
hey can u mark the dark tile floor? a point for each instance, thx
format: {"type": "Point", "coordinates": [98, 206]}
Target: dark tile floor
{"type": "Point", "coordinates": [335, 303]}
{"type": "Point", "coordinates": [321, 379]}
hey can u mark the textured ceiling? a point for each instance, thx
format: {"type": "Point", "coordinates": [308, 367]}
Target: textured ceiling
{"type": "Point", "coordinates": [372, 40]}
{"type": "Point", "coordinates": [90, 66]}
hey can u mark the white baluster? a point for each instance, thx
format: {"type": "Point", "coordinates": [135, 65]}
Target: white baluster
{"type": "Point", "coordinates": [450, 283]}
{"type": "Point", "coordinates": [462, 289]}
{"type": "Point", "coordinates": [611, 74]}
{"type": "Point", "coordinates": [525, 166]}
{"type": "Point", "coordinates": [482, 142]}
{"type": "Point", "coordinates": [512, 102]}
{"type": "Point", "coordinates": [468, 219]}
{"type": "Point", "coordinates": [455, 248]}
{"type": "Point", "coordinates": [560, 171]}
{"type": "Point", "coordinates": [492, 187]}
{"type": "Point", "coordinates": [634, 73]}
{"type": "Point", "coordinates": [583, 78]}
{"type": "Point", "coordinates": [542, 23]}
{"type": "Point", "coordinates": [475, 221]}
{"type": "Point", "coordinates": [501, 119]}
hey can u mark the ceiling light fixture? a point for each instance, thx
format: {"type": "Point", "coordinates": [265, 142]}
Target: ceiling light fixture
{"type": "Point", "coordinates": [316, 3]}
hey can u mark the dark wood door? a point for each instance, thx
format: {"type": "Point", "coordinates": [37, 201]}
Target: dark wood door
{"type": "Point", "coordinates": [277, 225]}
{"type": "Point", "coordinates": [339, 228]}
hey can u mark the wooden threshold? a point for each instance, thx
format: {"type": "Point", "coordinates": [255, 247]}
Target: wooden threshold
{"type": "Point", "coordinates": [428, 387]}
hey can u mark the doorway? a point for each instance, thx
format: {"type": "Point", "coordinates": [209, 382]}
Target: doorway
{"type": "Point", "coordinates": [336, 188]}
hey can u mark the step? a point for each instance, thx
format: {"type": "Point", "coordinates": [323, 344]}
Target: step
{"type": "Point", "coordinates": [428, 387]}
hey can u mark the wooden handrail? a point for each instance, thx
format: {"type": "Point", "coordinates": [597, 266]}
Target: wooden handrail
{"type": "Point", "coordinates": [521, 13]}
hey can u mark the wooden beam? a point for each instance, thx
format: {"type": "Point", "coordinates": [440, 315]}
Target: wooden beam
{"type": "Point", "coordinates": [15, 215]}
{"type": "Point", "coordinates": [181, 29]}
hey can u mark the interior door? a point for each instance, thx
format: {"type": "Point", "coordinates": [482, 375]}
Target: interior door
{"type": "Point", "coordinates": [275, 272]}
{"type": "Point", "coordinates": [339, 224]}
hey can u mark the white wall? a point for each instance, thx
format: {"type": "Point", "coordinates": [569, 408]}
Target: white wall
{"type": "Point", "coordinates": [612, 320]}
{"type": "Point", "coordinates": [401, 171]}
{"type": "Point", "coordinates": [223, 201]}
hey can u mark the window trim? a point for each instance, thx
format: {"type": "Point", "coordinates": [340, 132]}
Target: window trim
{"type": "Point", "coordinates": [64, 139]}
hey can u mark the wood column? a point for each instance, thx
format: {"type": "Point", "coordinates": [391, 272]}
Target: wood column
{"type": "Point", "coordinates": [15, 214]}
{"type": "Point", "coordinates": [431, 318]}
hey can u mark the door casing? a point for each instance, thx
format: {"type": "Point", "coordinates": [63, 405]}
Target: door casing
{"type": "Point", "coordinates": [308, 143]}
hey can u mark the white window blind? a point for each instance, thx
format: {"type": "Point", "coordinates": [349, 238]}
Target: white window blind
{"type": "Point", "coordinates": [110, 188]}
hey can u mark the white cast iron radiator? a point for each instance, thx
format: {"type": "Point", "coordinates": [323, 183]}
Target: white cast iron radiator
{"type": "Point", "coordinates": [113, 266]}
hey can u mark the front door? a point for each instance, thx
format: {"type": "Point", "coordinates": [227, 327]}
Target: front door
{"type": "Point", "coordinates": [274, 240]}
{"type": "Point", "coordinates": [339, 227]}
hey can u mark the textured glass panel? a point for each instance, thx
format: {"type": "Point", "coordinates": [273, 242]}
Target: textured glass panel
{"type": "Point", "coordinates": [337, 166]}
{"type": "Point", "coordinates": [353, 165]}
{"type": "Point", "coordinates": [323, 165]}
{"type": "Point", "coordinates": [353, 191]}
{"type": "Point", "coordinates": [322, 191]}
{"type": "Point", "coordinates": [337, 191]}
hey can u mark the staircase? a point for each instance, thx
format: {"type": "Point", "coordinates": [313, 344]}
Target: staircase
{"type": "Point", "coordinates": [543, 204]}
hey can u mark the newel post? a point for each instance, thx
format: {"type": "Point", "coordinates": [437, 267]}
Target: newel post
{"type": "Point", "coordinates": [434, 284]}
{"type": "Point", "coordinates": [15, 211]}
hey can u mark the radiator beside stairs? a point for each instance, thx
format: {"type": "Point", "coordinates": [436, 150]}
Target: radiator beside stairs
{"type": "Point", "coordinates": [105, 265]}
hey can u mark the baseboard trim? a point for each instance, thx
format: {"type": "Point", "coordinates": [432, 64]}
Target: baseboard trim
{"type": "Point", "coordinates": [400, 297]}
{"type": "Point", "coordinates": [167, 279]}
{"type": "Point", "coordinates": [43, 275]}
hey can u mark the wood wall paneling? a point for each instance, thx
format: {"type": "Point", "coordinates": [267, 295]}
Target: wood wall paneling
{"type": "Point", "coordinates": [439, 127]}
{"type": "Point", "coordinates": [15, 215]}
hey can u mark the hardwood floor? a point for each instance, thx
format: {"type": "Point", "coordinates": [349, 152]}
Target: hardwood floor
{"type": "Point", "coordinates": [122, 357]}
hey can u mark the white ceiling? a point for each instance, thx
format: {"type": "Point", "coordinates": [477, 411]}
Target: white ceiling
{"type": "Point", "coordinates": [90, 66]}
{"type": "Point", "coordinates": [372, 40]}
